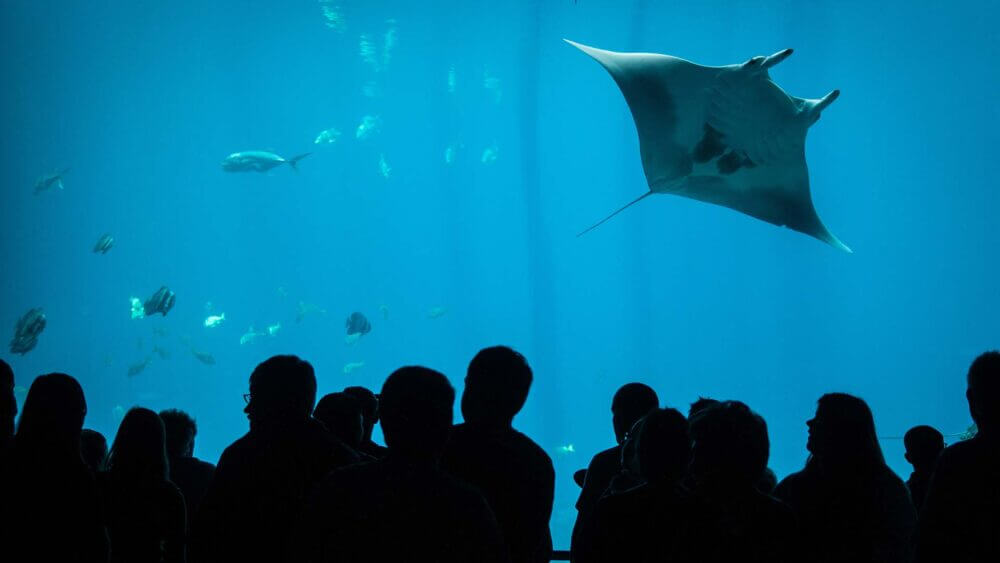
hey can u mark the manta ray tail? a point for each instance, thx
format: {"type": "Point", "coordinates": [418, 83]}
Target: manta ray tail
{"type": "Point", "coordinates": [626, 206]}
{"type": "Point", "coordinates": [294, 161]}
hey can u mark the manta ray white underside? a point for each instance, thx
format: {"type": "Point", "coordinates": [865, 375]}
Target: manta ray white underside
{"type": "Point", "coordinates": [726, 135]}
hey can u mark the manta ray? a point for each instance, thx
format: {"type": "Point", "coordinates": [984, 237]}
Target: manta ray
{"type": "Point", "coordinates": [726, 135]}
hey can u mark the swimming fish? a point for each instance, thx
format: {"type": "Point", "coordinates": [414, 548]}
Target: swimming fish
{"type": "Point", "coordinates": [358, 324]}
{"type": "Point", "coordinates": [352, 366]}
{"type": "Point", "coordinates": [203, 357]}
{"type": "Point", "coordinates": [490, 154]}
{"type": "Point", "coordinates": [566, 450]}
{"type": "Point", "coordinates": [370, 124]}
{"type": "Point", "coordinates": [273, 329]}
{"type": "Point", "coordinates": [327, 136]}
{"type": "Point", "coordinates": [383, 166]}
{"type": "Point", "coordinates": [161, 302]}
{"type": "Point", "coordinates": [138, 367]}
{"type": "Point", "coordinates": [250, 335]}
{"type": "Point", "coordinates": [104, 244]}
{"type": "Point", "coordinates": [213, 321]}
{"type": "Point", "coordinates": [436, 312]}
{"type": "Point", "coordinates": [26, 331]}
{"type": "Point", "coordinates": [258, 161]}
{"type": "Point", "coordinates": [46, 182]}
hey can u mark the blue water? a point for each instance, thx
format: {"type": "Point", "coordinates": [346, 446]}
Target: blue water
{"type": "Point", "coordinates": [142, 100]}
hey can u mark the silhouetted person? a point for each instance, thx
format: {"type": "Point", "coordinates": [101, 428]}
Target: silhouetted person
{"type": "Point", "coordinates": [923, 445]}
{"type": "Point", "coordinates": [513, 473]}
{"type": "Point", "coordinates": [630, 403]}
{"type": "Point", "coordinates": [370, 413]}
{"type": "Point", "coordinates": [94, 449]}
{"type": "Point", "coordinates": [768, 480]}
{"type": "Point", "coordinates": [51, 509]}
{"type": "Point", "coordinates": [341, 414]}
{"type": "Point", "coordinates": [731, 448]}
{"type": "Point", "coordinates": [960, 521]}
{"type": "Point", "coordinates": [191, 475]}
{"type": "Point", "coordinates": [262, 479]}
{"type": "Point", "coordinates": [402, 507]}
{"type": "Point", "coordinates": [145, 512]}
{"type": "Point", "coordinates": [8, 410]}
{"type": "Point", "coordinates": [850, 505]}
{"type": "Point", "coordinates": [657, 520]}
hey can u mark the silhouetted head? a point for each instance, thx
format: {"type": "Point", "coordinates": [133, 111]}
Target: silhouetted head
{"type": "Point", "coordinates": [496, 386]}
{"type": "Point", "coordinates": [923, 446]}
{"type": "Point", "coordinates": [8, 403]}
{"type": "Point", "coordinates": [984, 391]}
{"type": "Point", "coordinates": [416, 405]}
{"type": "Point", "coordinates": [94, 449]}
{"type": "Point", "coordinates": [139, 451]}
{"type": "Point", "coordinates": [52, 418]}
{"type": "Point", "coordinates": [631, 402]}
{"type": "Point", "coordinates": [180, 431]}
{"type": "Point", "coordinates": [842, 434]}
{"type": "Point", "coordinates": [731, 446]}
{"type": "Point", "coordinates": [282, 391]}
{"type": "Point", "coordinates": [342, 416]}
{"type": "Point", "coordinates": [701, 404]}
{"type": "Point", "coordinates": [369, 407]}
{"type": "Point", "coordinates": [659, 447]}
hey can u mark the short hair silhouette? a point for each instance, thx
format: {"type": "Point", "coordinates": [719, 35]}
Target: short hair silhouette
{"type": "Point", "coordinates": [180, 431]}
{"type": "Point", "coordinates": [139, 450]}
{"type": "Point", "coordinates": [367, 400]}
{"type": "Point", "coordinates": [94, 449]}
{"type": "Point", "coordinates": [631, 402]}
{"type": "Point", "coordinates": [52, 417]}
{"type": "Point", "coordinates": [923, 446]}
{"type": "Point", "coordinates": [342, 415]}
{"type": "Point", "coordinates": [496, 385]}
{"type": "Point", "coordinates": [984, 389]}
{"type": "Point", "coordinates": [731, 444]}
{"type": "Point", "coordinates": [843, 433]}
{"type": "Point", "coordinates": [281, 388]}
{"type": "Point", "coordinates": [661, 446]}
{"type": "Point", "coordinates": [701, 404]}
{"type": "Point", "coordinates": [416, 405]}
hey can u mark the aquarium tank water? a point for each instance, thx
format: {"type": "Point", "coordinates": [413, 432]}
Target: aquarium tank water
{"type": "Point", "coordinates": [454, 150]}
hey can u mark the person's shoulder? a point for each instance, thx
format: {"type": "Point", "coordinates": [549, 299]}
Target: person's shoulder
{"type": "Point", "coordinates": [790, 484]}
{"type": "Point", "coordinates": [962, 452]}
{"type": "Point", "coordinates": [529, 446]}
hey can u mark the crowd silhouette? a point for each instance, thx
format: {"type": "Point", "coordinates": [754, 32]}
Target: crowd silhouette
{"type": "Point", "coordinates": [307, 484]}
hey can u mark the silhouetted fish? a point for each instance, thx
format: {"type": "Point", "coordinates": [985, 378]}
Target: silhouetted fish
{"type": "Point", "coordinates": [358, 324]}
{"type": "Point", "coordinates": [27, 330]}
{"type": "Point", "coordinates": [104, 244]}
{"type": "Point", "coordinates": [161, 302]}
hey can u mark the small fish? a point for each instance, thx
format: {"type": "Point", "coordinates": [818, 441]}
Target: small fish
{"type": "Point", "coordinates": [357, 324]}
{"type": "Point", "coordinates": [258, 161]}
{"type": "Point", "coordinates": [328, 136]}
{"type": "Point", "coordinates": [138, 311]}
{"type": "Point", "coordinates": [566, 450]}
{"type": "Point", "coordinates": [383, 166]}
{"type": "Point", "coordinates": [436, 312]}
{"type": "Point", "coordinates": [273, 329]}
{"type": "Point", "coordinates": [46, 182]}
{"type": "Point", "coordinates": [333, 16]}
{"type": "Point", "coordinates": [26, 331]}
{"type": "Point", "coordinates": [104, 244]}
{"type": "Point", "coordinates": [138, 367]}
{"type": "Point", "coordinates": [388, 41]}
{"type": "Point", "coordinates": [213, 321]}
{"type": "Point", "coordinates": [490, 154]}
{"type": "Point", "coordinates": [203, 357]}
{"type": "Point", "coordinates": [161, 302]}
{"type": "Point", "coordinates": [370, 124]}
{"type": "Point", "coordinates": [451, 151]}
{"type": "Point", "coordinates": [250, 336]}
{"type": "Point", "coordinates": [352, 366]}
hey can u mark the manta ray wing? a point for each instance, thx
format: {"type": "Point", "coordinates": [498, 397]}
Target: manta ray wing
{"type": "Point", "coordinates": [724, 135]}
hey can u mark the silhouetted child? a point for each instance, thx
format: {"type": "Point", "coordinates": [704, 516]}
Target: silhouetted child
{"type": "Point", "coordinates": [191, 475]}
{"type": "Point", "coordinates": [402, 507]}
{"type": "Point", "coordinates": [514, 474]}
{"type": "Point", "coordinates": [961, 514]}
{"type": "Point", "coordinates": [850, 505]}
{"type": "Point", "coordinates": [923, 447]}
{"type": "Point", "coordinates": [370, 415]}
{"type": "Point", "coordinates": [342, 415]}
{"type": "Point", "coordinates": [731, 448]}
{"type": "Point", "coordinates": [630, 403]}
{"type": "Point", "coordinates": [145, 512]}
{"type": "Point", "coordinates": [654, 521]}
{"type": "Point", "coordinates": [94, 449]}
{"type": "Point", "coordinates": [51, 506]}
{"type": "Point", "coordinates": [262, 479]}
